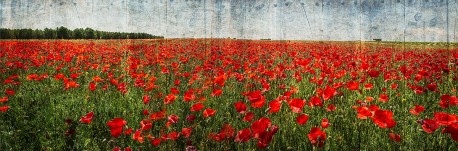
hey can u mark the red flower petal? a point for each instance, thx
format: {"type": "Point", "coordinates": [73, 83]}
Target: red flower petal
{"type": "Point", "coordinates": [302, 119]}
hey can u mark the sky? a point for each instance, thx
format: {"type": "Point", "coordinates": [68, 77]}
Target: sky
{"type": "Point", "coordinates": [340, 20]}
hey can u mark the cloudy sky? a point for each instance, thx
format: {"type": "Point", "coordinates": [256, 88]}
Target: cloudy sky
{"type": "Point", "coordinates": [393, 20]}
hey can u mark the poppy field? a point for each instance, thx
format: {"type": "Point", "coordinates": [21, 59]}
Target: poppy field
{"type": "Point", "coordinates": [223, 94]}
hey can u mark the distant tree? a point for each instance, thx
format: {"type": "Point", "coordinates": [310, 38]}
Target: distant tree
{"type": "Point", "coordinates": [4, 34]}
{"type": "Point", "coordinates": [25, 34]}
{"type": "Point", "coordinates": [101, 35]}
{"type": "Point", "coordinates": [78, 33]}
{"type": "Point", "coordinates": [90, 33]}
{"type": "Point", "coordinates": [49, 33]}
{"type": "Point", "coordinates": [39, 34]}
{"type": "Point", "coordinates": [63, 33]}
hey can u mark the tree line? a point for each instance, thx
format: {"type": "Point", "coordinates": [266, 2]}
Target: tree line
{"type": "Point", "coordinates": [65, 33]}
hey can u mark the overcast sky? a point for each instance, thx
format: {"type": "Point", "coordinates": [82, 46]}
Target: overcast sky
{"type": "Point", "coordinates": [393, 20]}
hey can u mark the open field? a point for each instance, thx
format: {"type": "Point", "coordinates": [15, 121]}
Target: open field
{"type": "Point", "coordinates": [222, 94]}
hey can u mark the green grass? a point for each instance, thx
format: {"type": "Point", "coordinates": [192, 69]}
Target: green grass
{"type": "Point", "coordinates": [36, 119]}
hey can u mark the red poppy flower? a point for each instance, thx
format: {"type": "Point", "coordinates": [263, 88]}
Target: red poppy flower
{"type": "Point", "coordinates": [121, 87]}
{"type": "Point", "coordinates": [186, 131]}
{"type": "Point", "coordinates": [146, 124]}
{"type": "Point", "coordinates": [329, 92]}
{"type": "Point", "coordinates": [373, 73]}
{"type": "Point", "coordinates": [145, 112]}
{"type": "Point", "coordinates": [138, 136]}
{"type": "Point", "coordinates": [453, 101]}
{"type": "Point", "coordinates": [189, 95]}
{"type": "Point", "coordinates": [317, 137]}
{"type": "Point", "coordinates": [274, 106]}
{"type": "Point", "coordinates": [173, 118]}
{"type": "Point", "coordinates": [177, 82]}
{"type": "Point", "coordinates": [369, 99]}
{"type": "Point", "coordinates": [429, 125]}
{"type": "Point", "coordinates": [4, 99]}
{"type": "Point", "coordinates": [447, 100]}
{"type": "Point", "coordinates": [265, 87]}
{"type": "Point", "coordinates": [164, 70]}
{"type": "Point", "coordinates": [384, 119]}
{"type": "Point", "coordinates": [325, 123]}
{"type": "Point", "coordinates": [96, 79]}
{"type": "Point", "coordinates": [173, 136]}
{"type": "Point", "coordinates": [219, 80]}
{"type": "Point", "coordinates": [364, 66]}
{"type": "Point", "coordinates": [417, 110]}
{"type": "Point", "coordinates": [418, 77]}
{"type": "Point", "coordinates": [257, 99]}
{"type": "Point", "coordinates": [248, 117]}
{"type": "Point", "coordinates": [363, 112]}
{"type": "Point", "coordinates": [74, 76]}
{"type": "Point", "coordinates": [395, 137]}
{"type": "Point", "coordinates": [158, 115]}
{"type": "Point", "coordinates": [190, 118]}
{"type": "Point", "coordinates": [32, 77]}
{"type": "Point", "coordinates": [116, 126]}
{"type": "Point", "coordinates": [128, 131]}
{"type": "Point", "coordinates": [331, 107]}
{"type": "Point", "coordinates": [169, 99]}
{"type": "Point", "coordinates": [243, 135]}
{"type": "Point", "coordinates": [368, 86]}
{"type": "Point", "coordinates": [383, 98]}
{"type": "Point", "coordinates": [296, 105]}
{"type": "Point", "coordinates": [445, 119]}
{"type": "Point", "coordinates": [452, 130]}
{"type": "Point", "coordinates": [394, 86]}
{"type": "Point", "coordinates": [209, 112]}
{"type": "Point", "coordinates": [92, 86]}
{"type": "Point", "coordinates": [146, 99]}
{"type": "Point", "coordinates": [302, 119]}
{"type": "Point", "coordinates": [259, 126]}
{"type": "Point", "coordinates": [240, 107]}
{"type": "Point", "coordinates": [315, 101]}
{"type": "Point", "coordinates": [88, 118]}
{"type": "Point", "coordinates": [116, 149]}
{"type": "Point", "coordinates": [266, 137]}
{"type": "Point", "coordinates": [217, 92]}
{"type": "Point", "coordinates": [352, 85]}
{"type": "Point", "coordinates": [174, 90]}
{"type": "Point", "coordinates": [197, 107]}
{"type": "Point", "coordinates": [226, 132]}
{"type": "Point", "coordinates": [374, 107]}
{"type": "Point", "coordinates": [4, 108]}
{"type": "Point", "coordinates": [156, 142]}
{"type": "Point", "coordinates": [10, 91]}
{"type": "Point", "coordinates": [432, 86]}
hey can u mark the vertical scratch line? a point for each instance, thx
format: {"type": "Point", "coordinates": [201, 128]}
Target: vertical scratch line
{"type": "Point", "coordinates": [424, 26]}
{"type": "Point", "coordinates": [454, 32]}
{"type": "Point", "coordinates": [166, 20]}
{"type": "Point", "coordinates": [360, 25]}
{"type": "Point", "coordinates": [305, 13]}
{"type": "Point", "coordinates": [405, 26]}
{"type": "Point", "coordinates": [244, 19]}
{"type": "Point", "coordinates": [205, 20]}
{"type": "Point", "coordinates": [77, 13]}
{"type": "Point", "coordinates": [456, 13]}
{"type": "Point", "coordinates": [447, 26]}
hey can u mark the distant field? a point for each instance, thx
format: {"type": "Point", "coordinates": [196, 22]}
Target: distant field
{"type": "Point", "coordinates": [222, 94]}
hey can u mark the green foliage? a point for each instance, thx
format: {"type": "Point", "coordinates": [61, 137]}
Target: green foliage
{"type": "Point", "coordinates": [43, 112]}
{"type": "Point", "coordinates": [65, 33]}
